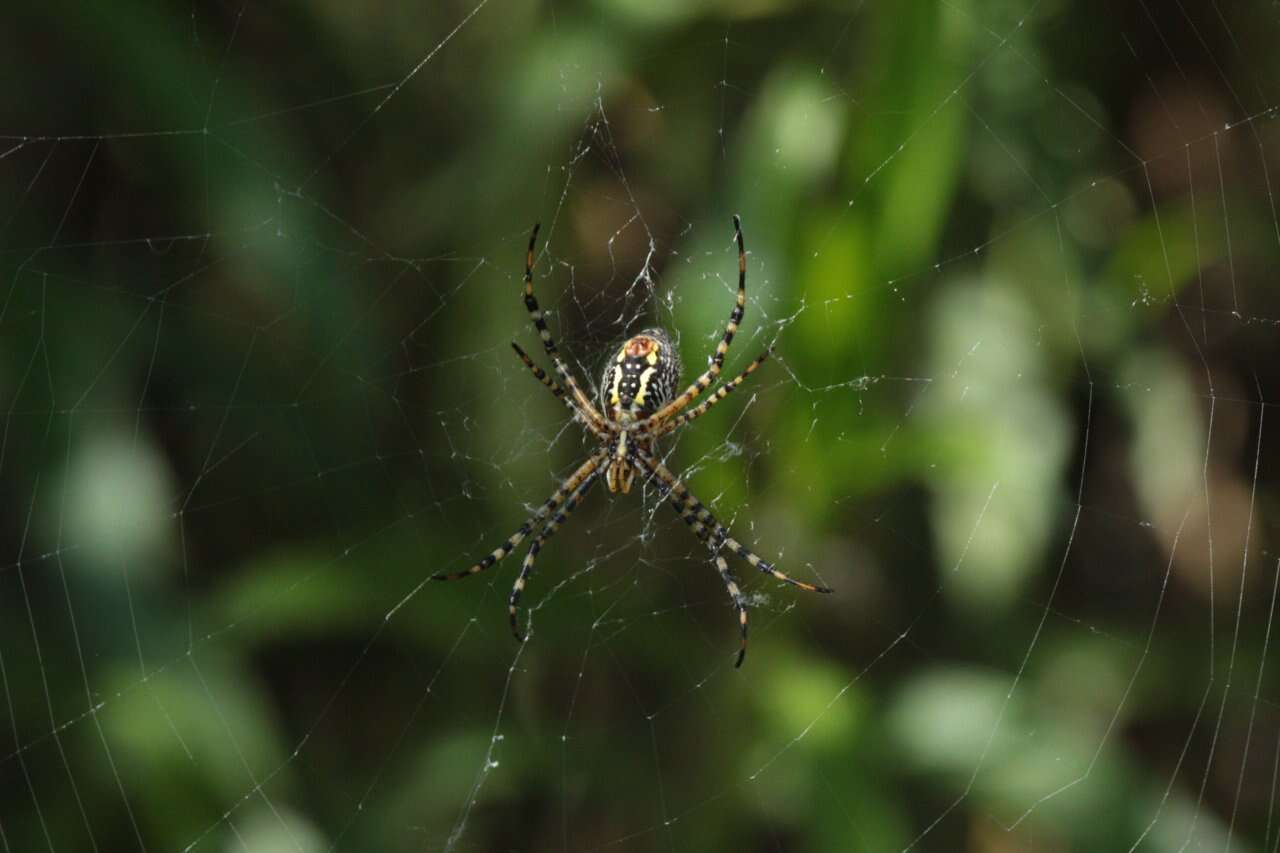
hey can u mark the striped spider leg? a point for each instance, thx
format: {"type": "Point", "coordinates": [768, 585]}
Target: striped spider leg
{"type": "Point", "coordinates": [583, 403]}
{"type": "Point", "coordinates": [720, 393]}
{"type": "Point", "coordinates": [586, 471]}
{"type": "Point", "coordinates": [541, 375]}
{"type": "Point", "coordinates": [571, 491]}
{"type": "Point", "coordinates": [656, 420]}
{"type": "Point", "coordinates": [558, 391]}
{"type": "Point", "coordinates": [715, 535]}
{"type": "Point", "coordinates": [513, 602]}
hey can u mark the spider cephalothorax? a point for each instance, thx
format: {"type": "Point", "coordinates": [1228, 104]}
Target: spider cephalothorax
{"type": "Point", "coordinates": [638, 405]}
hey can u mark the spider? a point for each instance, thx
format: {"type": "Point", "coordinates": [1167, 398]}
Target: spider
{"type": "Point", "coordinates": [636, 409]}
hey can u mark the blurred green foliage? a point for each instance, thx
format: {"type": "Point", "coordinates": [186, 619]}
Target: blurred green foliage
{"type": "Point", "coordinates": [262, 265]}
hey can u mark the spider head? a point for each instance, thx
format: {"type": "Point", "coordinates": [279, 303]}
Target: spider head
{"type": "Point", "coordinates": [640, 377]}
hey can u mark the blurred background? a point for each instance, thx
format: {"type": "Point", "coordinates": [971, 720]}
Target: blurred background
{"type": "Point", "coordinates": [261, 267]}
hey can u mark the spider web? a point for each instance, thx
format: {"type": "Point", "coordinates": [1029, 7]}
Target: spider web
{"type": "Point", "coordinates": [1014, 260]}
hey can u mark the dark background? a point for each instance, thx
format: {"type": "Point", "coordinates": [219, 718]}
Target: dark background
{"type": "Point", "coordinates": [261, 267]}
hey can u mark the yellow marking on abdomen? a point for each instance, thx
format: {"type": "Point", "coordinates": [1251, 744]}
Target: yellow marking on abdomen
{"type": "Point", "coordinates": [644, 383]}
{"type": "Point", "coordinates": [617, 378]}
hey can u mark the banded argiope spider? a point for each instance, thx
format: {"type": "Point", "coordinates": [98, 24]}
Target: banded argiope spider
{"type": "Point", "coordinates": [638, 409]}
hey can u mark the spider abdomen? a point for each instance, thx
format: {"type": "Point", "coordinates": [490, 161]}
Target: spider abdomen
{"type": "Point", "coordinates": [641, 376]}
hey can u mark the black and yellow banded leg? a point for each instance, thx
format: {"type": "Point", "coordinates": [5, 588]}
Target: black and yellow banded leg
{"type": "Point", "coordinates": [570, 485]}
{"type": "Point", "coordinates": [705, 524]}
{"type": "Point", "coordinates": [555, 388]}
{"type": "Point", "coordinates": [721, 392]}
{"type": "Point", "coordinates": [717, 359]}
{"type": "Point", "coordinates": [739, 601]}
{"type": "Point", "coordinates": [513, 603]}
{"type": "Point", "coordinates": [698, 517]}
{"type": "Point", "coordinates": [589, 412]}
{"type": "Point", "coordinates": [552, 385]}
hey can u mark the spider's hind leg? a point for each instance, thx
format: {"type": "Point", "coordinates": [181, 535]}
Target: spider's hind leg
{"type": "Point", "coordinates": [581, 401]}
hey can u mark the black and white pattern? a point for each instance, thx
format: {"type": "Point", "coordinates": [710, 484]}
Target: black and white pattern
{"type": "Point", "coordinates": [639, 384]}
{"type": "Point", "coordinates": [638, 405]}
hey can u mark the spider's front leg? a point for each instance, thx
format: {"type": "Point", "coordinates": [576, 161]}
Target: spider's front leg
{"type": "Point", "coordinates": [513, 603]}
{"type": "Point", "coordinates": [715, 535]}
{"type": "Point", "coordinates": [570, 486]}
{"type": "Point", "coordinates": [705, 525]}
